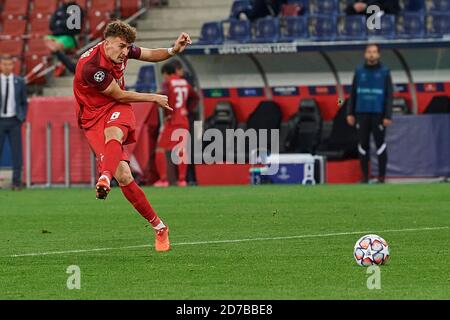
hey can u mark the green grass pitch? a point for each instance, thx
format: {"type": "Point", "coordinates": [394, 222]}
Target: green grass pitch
{"type": "Point", "coordinates": [292, 242]}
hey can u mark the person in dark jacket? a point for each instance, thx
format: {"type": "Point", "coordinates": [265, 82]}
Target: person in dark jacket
{"type": "Point", "coordinates": [360, 6]}
{"type": "Point", "coordinates": [370, 109]}
{"type": "Point", "coordinates": [13, 111]}
{"type": "Point", "coordinates": [62, 34]}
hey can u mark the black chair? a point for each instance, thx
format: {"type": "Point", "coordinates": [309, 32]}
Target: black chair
{"type": "Point", "coordinates": [439, 104]}
{"type": "Point", "coordinates": [304, 128]}
{"type": "Point", "coordinates": [266, 116]}
{"type": "Point", "coordinates": [343, 140]}
{"type": "Point", "coordinates": [222, 119]}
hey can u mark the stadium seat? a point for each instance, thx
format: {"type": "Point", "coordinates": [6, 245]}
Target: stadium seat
{"type": "Point", "coordinates": [267, 116]}
{"type": "Point", "coordinates": [387, 30]}
{"type": "Point", "coordinates": [39, 27]}
{"type": "Point", "coordinates": [83, 4]}
{"type": "Point", "coordinates": [239, 6]}
{"type": "Point", "coordinates": [304, 128]}
{"type": "Point", "coordinates": [38, 47]}
{"type": "Point", "coordinates": [267, 30]}
{"type": "Point", "coordinates": [410, 25]}
{"type": "Point", "coordinates": [438, 24]}
{"type": "Point", "coordinates": [290, 10]}
{"type": "Point", "coordinates": [129, 7]}
{"type": "Point", "coordinates": [438, 104]}
{"type": "Point", "coordinates": [222, 119]}
{"type": "Point", "coordinates": [97, 23]}
{"type": "Point", "coordinates": [412, 5]}
{"type": "Point", "coordinates": [239, 31]}
{"type": "Point", "coordinates": [322, 27]}
{"type": "Point", "coordinates": [15, 9]}
{"type": "Point", "coordinates": [146, 81]}
{"type": "Point", "coordinates": [103, 5]}
{"type": "Point", "coordinates": [32, 60]}
{"type": "Point", "coordinates": [12, 47]}
{"type": "Point", "coordinates": [212, 33]}
{"type": "Point", "coordinates": [293, 28]}
{"type": "Point", "coordinates": [439, 6]}
{"type": "Point", "coordinates": [352, 28]}
{"type": "Point", "coordinates": [326, 7]}
{"type": "Point", "coordinates": [43, 8]}
{"type": "Point", "coordinates": [13, 28]}
{"type": "Point", "coordinates": [17, 66]}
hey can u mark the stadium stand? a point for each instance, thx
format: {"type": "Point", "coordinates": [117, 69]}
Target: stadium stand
{"type": "Point", "coordinates": [419, 18]}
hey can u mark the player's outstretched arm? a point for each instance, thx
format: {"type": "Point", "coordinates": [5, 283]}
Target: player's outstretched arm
{"type": "Point", "coordinates": [157, 55]}
{"type": "Point", "coordinates": [115, 92]}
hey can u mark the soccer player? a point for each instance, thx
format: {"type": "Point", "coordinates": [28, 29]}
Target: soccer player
{"type": "Point", "coordinates": [107, 118]}
{"type": "Point", "coordinates": [183, 98]}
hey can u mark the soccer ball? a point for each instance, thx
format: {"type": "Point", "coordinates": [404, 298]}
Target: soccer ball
{"type": "Point", "coordinates": [371, 249]}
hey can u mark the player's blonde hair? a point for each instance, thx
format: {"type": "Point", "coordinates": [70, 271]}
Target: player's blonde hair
{"type": "Point", "coordinates": [120, 29]}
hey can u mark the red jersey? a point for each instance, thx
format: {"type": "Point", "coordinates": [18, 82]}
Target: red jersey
{"type": "Point", "coordinates": [182, 98]}
{"type": "Point", "coordinates": [94, 73]}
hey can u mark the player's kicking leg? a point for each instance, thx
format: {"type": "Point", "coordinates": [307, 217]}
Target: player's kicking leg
{"type": "Point", "coordinates": [134, 194]}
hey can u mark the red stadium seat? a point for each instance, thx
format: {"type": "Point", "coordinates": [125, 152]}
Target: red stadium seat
{"type": "Point", "coordinates": [129, 7]}
{"type": "Point", "coordinates": [32, 61]}
{"type": "Point", "coordinates": [83, 4]}
{"type": "Point", "coordinates": [42, 8]}
{"type": "Point", "coordinates": [15, 9]}
{"type": "Point", "coordinates": [13, 28]}
{"type": "Point", "coordinates": [97, 24]}
{"type": "Point", "coordinates": [39, 27]}
{"type": "Point", "coordinates": [290, 10]}
{"type": "Point", "coordinates": [17, 66]}
{"type": "Point", "coordinates": [103, 5]}
{"type": "Point", "coordinates": [38, 47]}
{"type": "Point", "coordinates": [12, 47]}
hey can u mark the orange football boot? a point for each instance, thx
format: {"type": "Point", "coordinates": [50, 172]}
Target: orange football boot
{"type": "Point", "coordinates": [162, 242]}
{"type": "Point", "coordinates": [102, 187]}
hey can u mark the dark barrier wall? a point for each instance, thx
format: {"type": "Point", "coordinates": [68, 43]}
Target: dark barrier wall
{"type": "Point", "coordinates": [418, 146]}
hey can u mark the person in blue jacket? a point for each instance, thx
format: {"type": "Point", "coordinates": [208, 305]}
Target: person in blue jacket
{"type": "Point", "coordinates": [370, 109]}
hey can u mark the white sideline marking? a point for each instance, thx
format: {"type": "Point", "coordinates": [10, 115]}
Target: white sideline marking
{"type": "Point", "coordinates": [224, 241]}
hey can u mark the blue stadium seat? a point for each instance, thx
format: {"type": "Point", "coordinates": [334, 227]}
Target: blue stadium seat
{"type": "Point", "coordinates": [293, 28]}
{"type": "Point", "coordinates": [438, 24]}
{"type": "Point", "coordinates": [412, 5]}
{"type": "Point", "coordinates": [324, 6]}
{"type": "Point", "coordinates": [146, 81]}
{"type": "Point", "coordinates": [439, 6]}
{"type": "Point", "coordinates": [387, 30]}
{"type": "Point", "coordinates": [239, 31]}
{"type": "Point", "coordinates": [410, 25]}
{"type": "Point", "coordinates": [239, 6]}
{"type": "Point", "coordinates": [267, 30]}
{"type": "Point", "coordinates": [212, 33]}
{"type": "Point", "coordinates": [352, 28]}
{"type": "Point", "coordinates": [322, 27]}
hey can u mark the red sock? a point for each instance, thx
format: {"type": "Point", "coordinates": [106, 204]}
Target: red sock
{"type": "Point", "coordinates": [112, 157]}
{"type": "Point", "coordinates": [137, 198]}
{"type": "Point", "coordinates": [161, 165]}
{"type": "Point", "coordinates": [182, 169]}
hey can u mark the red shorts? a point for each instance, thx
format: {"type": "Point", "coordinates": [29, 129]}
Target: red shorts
{"type": "Point", "coordinates": [121, 116]}
{"type": "Point", "coordinates": [165, 137]}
